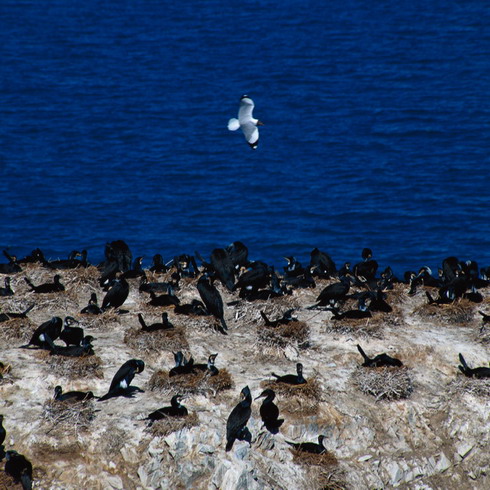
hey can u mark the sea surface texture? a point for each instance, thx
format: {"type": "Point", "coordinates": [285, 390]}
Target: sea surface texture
{"type": "Point", "coordinates": [113, 125]}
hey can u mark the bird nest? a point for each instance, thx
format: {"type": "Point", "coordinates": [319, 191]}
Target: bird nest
{"type": "Point", "coordinates": [62, 416]}
{"type": "Point", "coordinates": [302, 400]}
{"type": "Point", "coordinates": [74, 367]}
{"type": "Point", "coordinates": [198, 383]}
{"type": "Point", "coordinates": [17, 330]}
{"type": "Point", "coordinates": [458, 312]}
{"type": "Point", "coordinates": [364, 327]}
{"type": "Point", "coordinates": [384, 383]}
{"type": "Point", "coordinates": [311, 459]}
{"type": "Point", "coordinates": [169, 340]}
{"type": "Point", "coordinates": [164, 427]}
{"type": "Point", "coordinates": [473, 386]}
{"type": "Point", "coordinates": [292, 333]}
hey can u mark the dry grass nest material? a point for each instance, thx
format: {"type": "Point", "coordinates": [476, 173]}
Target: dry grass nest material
{"type": "Point", "coordinates": [311, 459]}
{"type": "Point", "coordinates": [164, 427]}
{"type": "Point", "coordinates": [170, 340]}
{"type": "Point", "coordinates": [365, 327]}
{"type": "Point", "coordinates": [74, 367]}
{"type": "Point", "coordinates": [302, 400]}
{"type": "Point", "coordinates": [199, 383]}
{"type": "Point", "coordinates": [68, 416]}
{"type": "Point", "coordinates": [473, 386]}
{"type": "Point", "coordinates": [384, 383]}
{"type": "Point", "coordinates": [459, 312]}
{"type": "Point", "coordinates": [292, 333]}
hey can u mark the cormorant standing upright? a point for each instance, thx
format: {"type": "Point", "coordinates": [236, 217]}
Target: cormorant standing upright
{"type": "Point", "coordinates": [212, 300]}
{"type": "Point", "coordinates": [237, 420]}
{"type": "Point", "coordinates": [269, 411]}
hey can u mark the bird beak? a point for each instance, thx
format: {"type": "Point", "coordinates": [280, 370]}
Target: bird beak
{"type": "Point", "coordinates": [260, 123]}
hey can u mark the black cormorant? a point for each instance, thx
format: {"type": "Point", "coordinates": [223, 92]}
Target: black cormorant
{"type": "Point", "coordinates": [379, 360]}
{"type": "Point", "coordinates": [237, 420]}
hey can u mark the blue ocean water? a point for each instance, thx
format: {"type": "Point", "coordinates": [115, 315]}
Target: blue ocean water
{"type": "Point", "coordinates": [113, 126]}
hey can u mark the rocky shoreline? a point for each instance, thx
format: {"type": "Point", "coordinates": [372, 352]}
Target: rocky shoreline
{"type": "Point", "coordinates": [424, 425]}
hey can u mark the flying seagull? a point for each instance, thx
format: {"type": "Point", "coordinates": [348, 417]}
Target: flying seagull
{"type": "Point", "coordinates": [246, 122]}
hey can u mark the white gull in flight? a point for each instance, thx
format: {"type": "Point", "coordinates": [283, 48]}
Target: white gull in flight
{"type": "Point", "coordinates": [246, 122]}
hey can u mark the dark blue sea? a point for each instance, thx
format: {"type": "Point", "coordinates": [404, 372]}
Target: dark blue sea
{"type": "Point", "coordinates": [113, 125]}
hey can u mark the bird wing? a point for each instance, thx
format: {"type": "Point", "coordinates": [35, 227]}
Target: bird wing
{"type": "Point", "coordinates": [233, 124]}
{"type": "Point", "coordinates": [251, 133]}
{"type": "Point", "coordinates": [245, 111]}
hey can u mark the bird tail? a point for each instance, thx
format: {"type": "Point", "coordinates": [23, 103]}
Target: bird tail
{"type": "Point", "coordinates": [464, 368]}
{"type": "Point", "coordinates": [363, 354]}
{"type": "Point", "coordinates": [223, 324]}
{"type": "Point", "coordinates": [266, 320]}
{"type": "Point", "coordinates": [27, 310]}
{"type": "Point", "coordinates": [29, 283]}
{"type": "Point", "coordinates": [26, 481]}
{"type": "Point", "coordinates": [229, 444]}
{"type": "Point", "coordinates": [233, 124]}
{"type": "Point", "coordinates": [142, 322]}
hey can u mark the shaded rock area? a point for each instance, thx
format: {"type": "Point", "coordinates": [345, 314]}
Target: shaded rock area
{"type": "Point", "coordinates": [424, 425]}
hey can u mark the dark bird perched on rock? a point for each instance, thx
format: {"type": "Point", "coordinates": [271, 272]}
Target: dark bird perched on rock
{"type": "Point", "coordinates": [195, 308]}
{"type": "Point", "coordinates": [117, 294]}
{"type": "Point", "coordinates": [212, 300]}
{"type": "Point", "coordinates": [355, 314]}
{"type": "Point", "coordinates": [321, 264]}
{"type": "Point", "coordinates": [269, 411]}
{"type": "Point", "coordinates": [7, 290]}
{"type": "Point", "coordinates": [223, 267]}
{"type": "Point", "coordinates": [3, 432]}
{"type": "Point", "coordinates": [164, 299]}
{"type": "Point", "coordinates": [186, 265]}
{"type": "Point", "coordinates": [71, 396]}
{"type": "Point", "coordinates": [333, 293]}
{"type": "Point", "coordinates": [92, 308]}
{"type": "Point", "coordinates": [257, 276]}
{"type": "Point", "coordinates": [48, 287]}
{"type": "Point", "coordinates": [71, 335]}
{"type": "Point", "coordinates": [84, 349]}
{"type": "Point", "coordinates": [157, 287]}
{"type": "Point", "coordinates": [292, 379]}
{"type": "Point", "coordinates": [485, 317]}
{"type": "Point", "coordinates": [238, 254]}
{"type": "Point", "coordinates": [163, 325]}
{"type": "Point", "coordinates": [479, 372]}
{"type": "Point", "coordinates": [46, 333]}
{"type": "Point", "coordinates": [119, 253]}
{"type": "Point", "coordinates": [71, 263]}
{"type": "Point", "coordinates": [302, 281]}
{"type": "Point", "coordinates": [293, 268]}
{"type": "Point", "coordinates": [3, 435]}
{"type": "Point", "coordinates": [12, 267]}
{"type": "Point", "coordinates": [378, 303]}
{"type": "Point", "coordinates": [286, 318]}
{"type": "Point", "coordinates": [450, 265]}
{"type": "Point", "coordinates": [209, 367]}
{"type": "Point", "coordinates": [379, 360]}
{"type": "Point", "coordinates": [158, 265]}
{"type": "Point", "coordinates": [176, 409]}
{"type": "Point", "coordinates": [310, 447]}
{"type": "Point", "coordinates": [182, 366]}
{"type": "Point", "coordinates": [19, 468]}
{"type": "Point", "coordinates": [136, 271]}
{"type": "Point", "coordinates": [368, 267]}
{"type": "Point", "coordinates": [4, 317]}
{"type": "Point", "coordinates": [120, 384]}
{"type": "Point", "coordinates": [236, 425]}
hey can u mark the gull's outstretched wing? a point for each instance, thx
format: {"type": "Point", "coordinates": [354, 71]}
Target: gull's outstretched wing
{"type": "Point", "coordinates": [251, 133]}
{"type": "Point", "coordinates": [246, 109]}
